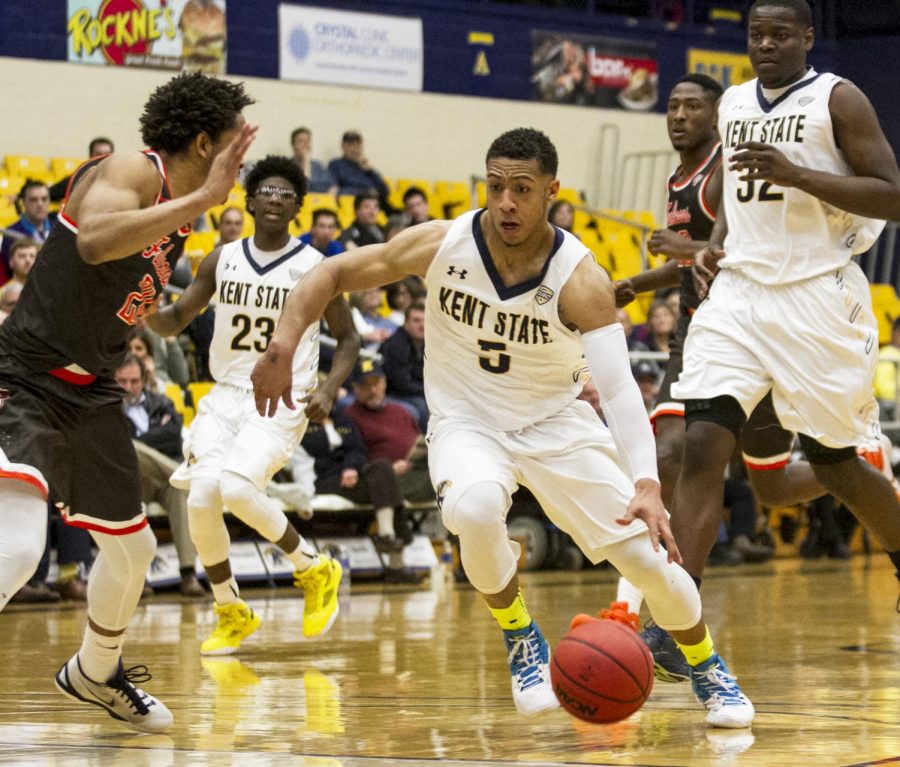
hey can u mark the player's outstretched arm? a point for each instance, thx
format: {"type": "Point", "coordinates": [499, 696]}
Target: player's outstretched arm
{"type": "Point", "coordinates": [117, 215]}
{"type": "Point", "coordinates": [873, 190]}
{"type": "Point", "coordinates": [706, 260]}
{"type": "Point", "coordinates": [587, 304]}
{"type": "Point", "coordinates": [410, 252]}
{"type": "Point", "coordinates": [664, 276]}
{"type": "Point", "coordinates": [172, 319]}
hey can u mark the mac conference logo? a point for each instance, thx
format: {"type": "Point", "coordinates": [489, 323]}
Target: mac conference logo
{"type": "Point", "coordinates": [299, 43]}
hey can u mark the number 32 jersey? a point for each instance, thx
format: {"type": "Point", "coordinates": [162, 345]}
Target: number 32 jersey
{"type": "Point", "coordinates": [252, 287]}
{"type": "Point", "coordinates": [778, 235]}
{"type": "Point", "coordinates": [498, 355]}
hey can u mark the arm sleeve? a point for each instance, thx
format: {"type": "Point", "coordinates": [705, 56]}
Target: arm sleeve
{"type": "Point", "coordinates": [620, 398]}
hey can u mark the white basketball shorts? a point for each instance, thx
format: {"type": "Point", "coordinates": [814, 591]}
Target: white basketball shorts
{"type": "Point", "coordinates": [569, 461]}
{"type": "Point", "coordinates": [229, 435]}
{"type": "Point", "coordinates": [814, 343]}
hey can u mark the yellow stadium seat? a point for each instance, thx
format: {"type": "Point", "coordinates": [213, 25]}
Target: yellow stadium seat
{"type": "Point", "coordinates": [569, 194]}
{"type": "Point", "coordinates": [8, 213]}
{"type": "Point", "coordinates": [10, 184]}
{"type": "Point", "coordinates": [886, 306]}
{"type": "Point", "coordinates": [175, 393]}
{"type": "Point", "coordinates": [62, 167]}
{"type": "Point", "coordinates": [198, 390]}
{"type": "Point", "coordinates": [346, 212]}
{"type": "Point", "coordinates": [454, 197]}
{"type": "Point", "coordinates": [316, 200]}
{"type": "Point", "coordinates": [27, 166]}
{"type": "Point", "coordinates": [480, 194]}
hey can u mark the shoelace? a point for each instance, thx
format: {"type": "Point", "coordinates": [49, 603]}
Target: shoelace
{"type": "Point", "coordinates": [525, 654]}
{"type": "Point", "coordinates": [312, 592]}
{"type": "Point", "coordinates": [124, 682]}
{"type": "Point", "coordinates": [720, 685]}
{"type": "Point", "coordinates": [232, 624]}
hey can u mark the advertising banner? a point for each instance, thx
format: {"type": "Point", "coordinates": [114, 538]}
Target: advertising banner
{"type": "Point", "coordinates": [728, 68]}
{"type": "Point", "coordinates": [321, 45]}
{"type": "Point", "coordinates": [594, 71]}
{"type": "Point", "coordinates": [162, 34]}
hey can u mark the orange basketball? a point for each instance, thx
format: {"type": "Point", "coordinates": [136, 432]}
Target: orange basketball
{"type": "Point", "coordinates": [601, 671]}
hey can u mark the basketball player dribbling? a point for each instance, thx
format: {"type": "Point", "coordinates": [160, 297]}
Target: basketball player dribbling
{"type": "Point", "coordinates": [789, 315]}
{"type": "Point", "coordinates": [517, 313]}
{"type": "Point", "coordinates": [233, 452]}
{"type": "Point", "coordinates": [62, 428]}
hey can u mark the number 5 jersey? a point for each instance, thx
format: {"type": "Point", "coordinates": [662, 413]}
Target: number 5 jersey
{"type": "Point", "coordinates": [498, 354]}
{"type": "Point", "coordinates": [252, 287]}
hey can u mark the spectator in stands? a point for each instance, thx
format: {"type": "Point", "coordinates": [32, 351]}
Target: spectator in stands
{"type": "Point", "coordinates": [672, 297]}
{"type": "Point", "coordinates": [590, 395]}
{"type": "Point", "coordinates": [231, 225]}
{"type": "Point", "coordinates": [634, 344]}
{"type": "Point", "coordinates": [887, 374]}
{"type": "Point", "coordinates": [22, 254]}
{"type": "Point", "coordinates": [403, 359]}
{"type": "Point", "coordinates": [9, 295]}
{"type": "Point", "coordinates": [389, 432]}
{"type": "Point", "coordinates": [156, 429]}
{"type": "Point", "coordinates": [373, 329]}
{"type": "Point", "coordinates": [35, 223]}
{"type": "Point", "coordinates": [364, 230]}
{"type": "Point", "coordinates": [353, 173]}
{"type": "Point", "coordinates": [341, 468]}
{"type": "Point", "coordinates": [97, 148]}
{"type": "Point", "coordinates": [318, 178]}
{"type": "Point", "coordinates": [647, 375]}
{"type": "Point", "coordinates": [168, 361]}
{"type": "Point", "coordinates": [660, 324]}
{"type": "Point", "coordinates": [398, 298]}
{"type": "Point", "coordinates": [415, 203]}
{"type": "Point", "coordinates": [321, 236]}
{"type": "Point", "coordinates": [562, 214]}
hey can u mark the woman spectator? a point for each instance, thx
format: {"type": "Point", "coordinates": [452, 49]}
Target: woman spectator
{"type": "Point", "coordinates": [562, 214]}
{"type": "Point", "coordinates": [163, 358]}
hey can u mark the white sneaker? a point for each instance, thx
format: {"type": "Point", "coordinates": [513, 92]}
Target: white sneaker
{"type": "Point", "coordinates": [529, 664]}
{"type": "Point", "coordinates": [122, 700]}
{"type": "Point", "coordinates": [718, 690]}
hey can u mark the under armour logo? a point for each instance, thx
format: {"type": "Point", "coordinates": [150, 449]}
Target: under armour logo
{"type": "Point", "coordinates": [462, 273]}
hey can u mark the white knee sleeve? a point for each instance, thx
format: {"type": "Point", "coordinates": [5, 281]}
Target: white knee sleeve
{"type": "Point", "coordinates": [479, 519]}
{"type": "Point", "coordinates": [669, 591]}
{"type": "Point", "coordinates": [253, 507]}
{"type": "Point", "coordinates": [207, 525]}
{"type": "Point", "coordinates": [23, 512]}
{"type": "Point", "coordinates": [118, 575]}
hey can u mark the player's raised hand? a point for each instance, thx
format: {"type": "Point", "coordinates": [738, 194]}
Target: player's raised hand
{"type": "Point", "coordinates": [271, 378]}
{"type": "Point", "coordinates": [763, 162]}
{"type": "Point", "coordinates": [647, 506]}
{"type": "Point", "coordinates": [706, 265]}
{"type": "Point", "coordinates": [666, 242]}
{"type": "Point", "coordinates": [225, 168]}
{"type": "Point", "coordinates": [624, 292]}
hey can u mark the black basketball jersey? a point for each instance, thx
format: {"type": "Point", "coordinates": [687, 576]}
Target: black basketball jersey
{"type": "Point", "coordinates": [689, 214]}
{"type": "Point", "coordinates": [71, 312]}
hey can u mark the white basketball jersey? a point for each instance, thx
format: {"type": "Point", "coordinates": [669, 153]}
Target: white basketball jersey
{"type": "Point", "coordinates": [251, 289]}
{"type": "Point", "coordinates": [776, 234]}
{"type": "Point", "coordinates": [498, 355]}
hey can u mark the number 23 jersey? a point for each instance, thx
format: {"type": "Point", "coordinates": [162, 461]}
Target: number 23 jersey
{"type": "Point", "coordinates": [498, 355]}
{"type": "Point", "coordinates": [252, 287]}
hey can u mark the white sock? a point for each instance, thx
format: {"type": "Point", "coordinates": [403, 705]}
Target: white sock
{"type": "Point", "coordinates": [628, 592]}
{"type": "Point", "coordinates": [99, 654]}
{"type": "Point", "coordinates": [23, 512]}
{"type": "Point", "coordinates": [227, 592]}
{"type": "Point", "coordinates": [303, 557]}
{"type": "Point", "coordinates": [384, 520]}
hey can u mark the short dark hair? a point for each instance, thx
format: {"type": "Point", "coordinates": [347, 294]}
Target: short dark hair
{"type": "Point", "coordinates": [351, 137]}
{"type": "Point", "coordinates": [526, 144]}
{"type": "Point", "coordinates": [319, 212]}
{"type": "Point", "coordinates": [801, 9]}
{"type": "Point", "coordinates": [132, 359]}
{"type": "Point", "coordinates": [711, 87]}
{"type": "Point", "coordinates": [100, 140]}
{"type": "Point", "coordinates": [368, 194]}
{"type": "Point", "coordinates": [31, 183]}
{"type": "Point", "coordinates": [414, 191]}
{"type": "Point", "coordinates": [274, 165]}
{"type": "Point", "coordinates": [297, 131]}
{"type": "Point", "coordinates": [415, 306]}
{"type": "Point", "coordinates": [189, 104]}
{"type": "Point", "coordinates": [22, 243]}
{"type": "Point", "coordinates": [230, 207]}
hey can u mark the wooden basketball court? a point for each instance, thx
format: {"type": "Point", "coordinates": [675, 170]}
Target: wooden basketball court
{"type": "Point", "coordinates": [418, 677]}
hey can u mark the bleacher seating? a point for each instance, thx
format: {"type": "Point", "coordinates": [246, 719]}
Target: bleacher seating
{"type": "Point", "coordinates": [27, 166]}
{"type": "Point", "coordinates": [886, 306]}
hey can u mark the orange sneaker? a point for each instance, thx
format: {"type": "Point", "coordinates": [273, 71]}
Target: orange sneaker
{"type": "Point", "coordinates": [617, 611]}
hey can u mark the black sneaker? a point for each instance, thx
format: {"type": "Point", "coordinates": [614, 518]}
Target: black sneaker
{"type": "Point", "coordinates": [669, 663]}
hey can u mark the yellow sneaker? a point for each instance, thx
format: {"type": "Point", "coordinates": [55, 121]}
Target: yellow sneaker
{"type": "Point", "coordinates": [320, 593]}
{"type": "Point", "coordinates": [236, 622]}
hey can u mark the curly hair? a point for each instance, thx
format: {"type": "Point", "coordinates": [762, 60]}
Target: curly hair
{"type": "Point", "coordinates": [187, 105]}
{"type": "Point", "coordinates": [801, 9]}
{"type": "Point", "coordinates": [274, 165]}
{"type": "Point", "coordinates": [526, 144]}
{"type": "Point", "coordinates": [712, 88]}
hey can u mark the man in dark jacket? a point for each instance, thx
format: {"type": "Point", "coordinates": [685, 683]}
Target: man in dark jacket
{"type": "Point", "coordinates": [156, 429]}
{"type": "Point", "coordinates": [403, 360]}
